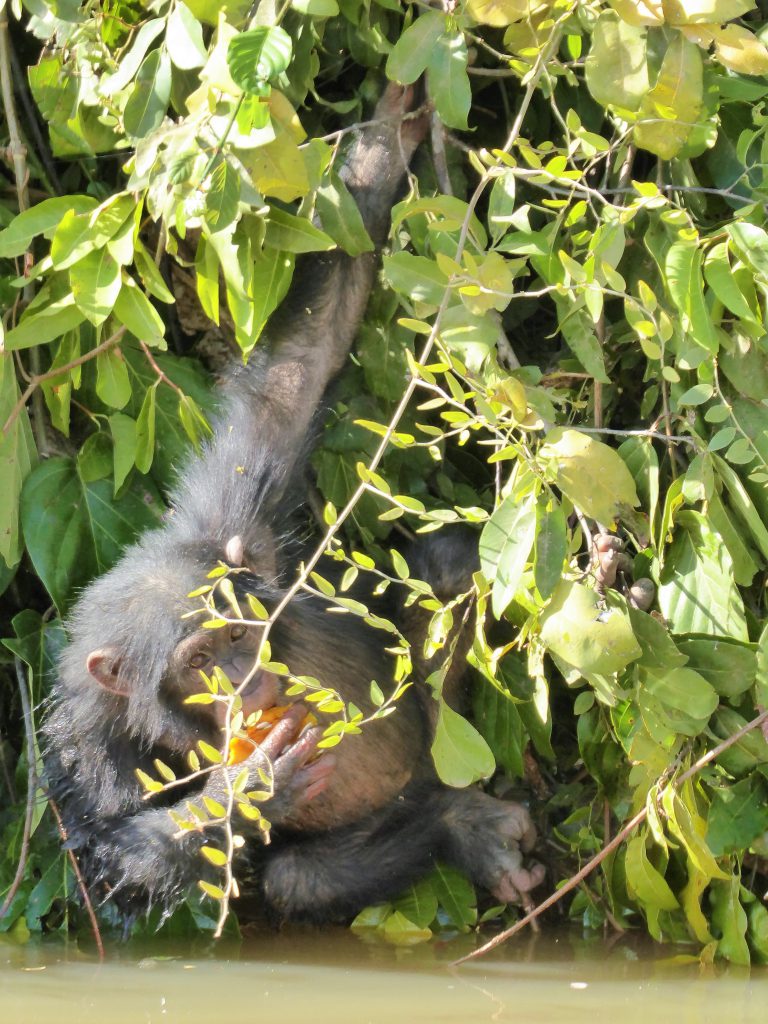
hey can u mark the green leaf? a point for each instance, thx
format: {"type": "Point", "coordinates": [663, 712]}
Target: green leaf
{"type": "Point", "coordinates": [728, 666]}
{"type": "Point", "coordinates": [316, 9]}
{"type": "Point", "coordinates": [505, 545]}
{"type": "Point", "coordinates": [719, 276]}
{"type": "Point", "coordinates": [272, 276]}
{"type": "Point", "coordinates": [460, 753]}
{"type": "Point", "coordinates": [17, 457]}
{"type": "Point", "coordinates": [595, 640]}
{"type": "Point", "coordinates": [590, 473]}
{"type": "Point", "coordinates": [730, 921]}
{"type": "Point", "coordinates": [112, 383]}
{"type": "Point", "coordinates": [415, 276]}
{"type": "Point", "coordinates": [684, 280]}
{"type": "Point", "coordinates": [456, 896]}
{"type": "Point", "coordinates": [737, 816]}
{"type": "Point", "coordinates": [751, 243]}
{"type": "Point", "coordinates": [76, 530]}
{"type": "Point", "coordinates": [683, 690]}
{"type": "Point", "coordinates": [447, 79]}
{"type": "Point", "coordinates": [579, 332]}
{"type": "Point", "coordinates": [499, 722]}
{"type": "Point", "coordinates": [616, 69]}
{"type": "Point", "coordinates": [223, 197]}
{"type": "Point", "coordinates": [45, 324]}
{"type": "Point", "coordinates": [123, 430]}
{"type": "Point", "coordinates": [295, 234]}
{"type": "Point", "coordinates": [96, 283]}
{"type": "Point", "coordinates": [136, 312]}
{"type": "Point", "coordinates": [551, 545]}
{"type": "Point", "coordinates": [151, 277]}
{"type": "Point", "coordinates": [410, 54]}
{"type": "Point", "coordinates": [643, 880]}
{"type": "Point", "coordinates": [340, 216]}
{"type": "Point", "coordinates": [697, 592]}
{"type": "Point", "coordinates": [148, 102]}
{"type": "Point", "coordinates": [419, 903]}
{"type": "Point", "coordinates": [670, 111]}
{"type": "Point", "coordinates": [149, 31]}
{"type": "Point", "coordinates": [184, 38]}
{"type": "Point", "coordinates": [42, 219]}
{"type": "Point", "coordinates": [256, 56]}
{"type": "Point", "coordinates": [145, 431]}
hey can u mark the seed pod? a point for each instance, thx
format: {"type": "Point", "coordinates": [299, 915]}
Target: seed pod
{"type": "Point", "coordinates": [605, 574]}
{"type": "Point", "coordinates": [608, 542]}
{"type": "Point", "coordinates": [642, 594]}
{"type": "Point", "coordinates": [625, 563]}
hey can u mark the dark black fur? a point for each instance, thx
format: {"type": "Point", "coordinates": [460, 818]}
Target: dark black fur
{"type": "Point", "coordinates": [383, 817]}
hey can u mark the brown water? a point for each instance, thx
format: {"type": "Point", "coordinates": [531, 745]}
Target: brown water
{"type": "Point", "coordinates": [335, 977]}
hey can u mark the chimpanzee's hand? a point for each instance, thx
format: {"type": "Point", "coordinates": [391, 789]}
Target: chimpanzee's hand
{"type": "Point", "coordinates": [299, 770]}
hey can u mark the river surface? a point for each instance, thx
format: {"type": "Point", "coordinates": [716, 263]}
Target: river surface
{"type": "Point", "coordinates": [334, 976]}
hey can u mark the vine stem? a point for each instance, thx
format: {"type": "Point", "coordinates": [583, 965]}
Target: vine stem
{"type": "Point", "coordinates": [32, 781]}
{"type": "Point", "coordinates": [18, 154]}
{"type": "Point", "coordinates": [617, 840]}
{"type": "Point", "coordinates": [40, 378]}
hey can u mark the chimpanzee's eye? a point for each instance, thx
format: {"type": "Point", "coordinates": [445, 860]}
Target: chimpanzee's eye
{"type": "Point", "coordinates": [200, 659]}
{"type": "Point", "coordinates": [237, 632]}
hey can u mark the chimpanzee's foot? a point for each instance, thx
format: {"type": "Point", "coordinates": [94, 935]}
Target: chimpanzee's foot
{"type": "Point", "coordinates": [488, 838]}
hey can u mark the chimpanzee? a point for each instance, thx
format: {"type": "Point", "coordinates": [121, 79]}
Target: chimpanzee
{"type": "Point", "coordinates": [349, 827]}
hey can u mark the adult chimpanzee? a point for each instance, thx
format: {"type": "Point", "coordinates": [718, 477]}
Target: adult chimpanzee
{"type": "Point", "coordinates": [349, 827]}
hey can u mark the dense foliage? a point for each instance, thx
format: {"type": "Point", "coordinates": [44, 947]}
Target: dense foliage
{"type": "Point", "coordinates": [569, 337]}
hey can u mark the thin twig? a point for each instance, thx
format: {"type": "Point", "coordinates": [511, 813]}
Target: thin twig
{"type": "Point", "coordinates": [160, 374]}
{"type": "Point", "coordinates": [614, 844]}
{"type": "Point", "coordinates": [655, 434]}
{"type": "Point", "coordinates": [80, 880]}
{"type": "Point", "coordinates": [32, 781]}
{"type": "Point", "coordinates": [437, 138]}
{"type": "Point", "coordinates": [40, 378]}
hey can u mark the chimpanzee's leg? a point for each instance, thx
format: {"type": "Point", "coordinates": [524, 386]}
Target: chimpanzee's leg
{"type": "Point", "coordinates": [333, 876]}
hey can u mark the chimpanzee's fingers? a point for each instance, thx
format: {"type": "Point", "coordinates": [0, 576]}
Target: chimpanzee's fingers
{"type": "Point", "coordinates": [284, 732]}
{"type": "Point", "coordinates": [313, 780]}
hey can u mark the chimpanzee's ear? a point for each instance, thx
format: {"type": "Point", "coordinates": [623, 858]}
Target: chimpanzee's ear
{"type": "Point", "coordinates": [104, 665]}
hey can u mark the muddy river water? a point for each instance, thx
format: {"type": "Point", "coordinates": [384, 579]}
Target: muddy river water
{"type": "Point", "coordinates": [334, 976]}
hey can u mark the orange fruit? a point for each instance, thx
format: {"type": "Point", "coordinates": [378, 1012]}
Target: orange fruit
{"type": "Point", "coordinates": [241, 748]}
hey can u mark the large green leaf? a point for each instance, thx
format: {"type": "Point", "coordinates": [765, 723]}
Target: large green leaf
{"type": "Point", "coordinates": [590, 473]}
{"type": "Point", "coordinates": [410, 54]}
{"type": "Point", "coordinates": [448, 80]}
{"type": "Point", "coordinates": [42, 219]}
{"type": "Point", "coordinates": [148, 102]}
{"type": "Point", "coordinates": [685, 283]}
{"type": "Point", "coordinates": [616, 68]}
{"type": "Point", "coordinates": [256, 56]}
{"type": "Point", "coordinates": [697, 592]}
{"type": "Point", "coordinates": [580, 628]}
{"type": "Point", "coordinates": [96, 283]}
{"type": "Point", "coordinates": [670, 111]}
{"type": "Point", "coordinates": [505, 545]}
{"type": "Point", "coordinates": [77, 530]}
{"type": "Point", "coordinates": [460, 753]}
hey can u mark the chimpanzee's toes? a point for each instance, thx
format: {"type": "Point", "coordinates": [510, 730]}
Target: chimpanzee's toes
{"type": "Point", "coordinates": [517, 880]}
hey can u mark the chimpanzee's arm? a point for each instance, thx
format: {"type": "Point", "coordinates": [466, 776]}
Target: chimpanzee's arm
{"type": "Point", "coordinates": [142, 859]}
{"type": "Point", "coordinates": [271, 403]}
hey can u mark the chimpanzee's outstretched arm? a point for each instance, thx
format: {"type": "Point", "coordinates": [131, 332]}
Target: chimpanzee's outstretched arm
{"type": "Point", "coordinates": [262, 435]}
